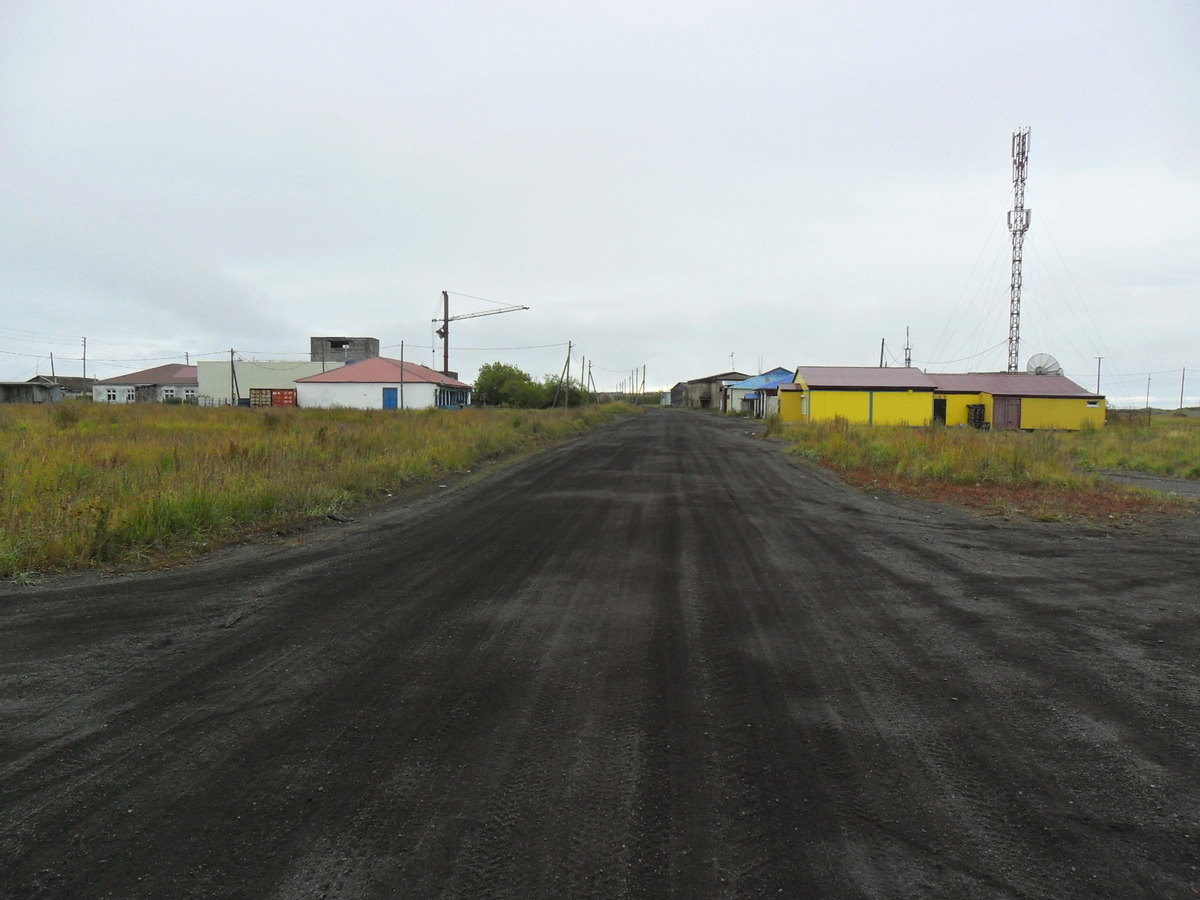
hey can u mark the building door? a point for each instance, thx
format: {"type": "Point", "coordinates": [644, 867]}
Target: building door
{"type": "Point", "coordinates": [389, 398]}
{"type": "Point", "coordinates": [939, 410]}
{"type": "Point", "coordinates": [1006, 413]}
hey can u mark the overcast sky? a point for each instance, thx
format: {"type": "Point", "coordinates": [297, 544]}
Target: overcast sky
{"type": "Point", "coordinates": [684, 186]}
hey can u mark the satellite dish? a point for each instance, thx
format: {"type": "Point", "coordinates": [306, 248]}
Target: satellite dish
{"type": "Point", "coordinates": [1043, 364]}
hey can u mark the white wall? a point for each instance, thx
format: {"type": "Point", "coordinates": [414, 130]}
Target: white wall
{"type": "Point", "coordinates": [214, 375]}
{"type": "Point", "coordinates": [361, 396]}
{"type": "Point", "coordinates": [127, 393]}
{"type": "Point", "coordinates": [121, 393]}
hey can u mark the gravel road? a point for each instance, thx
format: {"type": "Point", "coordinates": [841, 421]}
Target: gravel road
{"type": "Point", "coordinates": [662, 660]}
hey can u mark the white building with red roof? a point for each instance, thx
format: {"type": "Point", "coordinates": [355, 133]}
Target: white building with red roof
{"type": "Point", "coordinates": [382, 383]}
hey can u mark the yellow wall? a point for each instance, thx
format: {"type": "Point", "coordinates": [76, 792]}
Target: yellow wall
{"type": "Point", "coordinates": [872, 407]}
{"type": "Point", "coordinates": [956, 406]}
{"type": "Point", "coordinates": [791, 406]}
{"type": "Point", "coordinates": [1068, 414]}
{"type": "Point", "coordinates": [903, 407]}
{"type": "Point", "coordinates": [853, 406]}
{"type": "Point", "coordinates": [916, 408]}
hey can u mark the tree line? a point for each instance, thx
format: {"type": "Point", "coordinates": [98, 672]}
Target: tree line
{"type": "Point", "coordinates": [500, 384]}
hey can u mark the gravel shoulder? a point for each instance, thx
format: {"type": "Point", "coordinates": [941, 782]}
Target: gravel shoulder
{"type": "Point", "coordinates": [1185, 488]}
{"type": "Point", "coordinates": [662, 659]}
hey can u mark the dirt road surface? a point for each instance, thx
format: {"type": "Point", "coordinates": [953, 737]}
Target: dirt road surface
{"type": "Point", "coordinates": [662, 660]}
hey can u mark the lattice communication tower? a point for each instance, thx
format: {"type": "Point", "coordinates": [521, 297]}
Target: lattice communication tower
{"type": "Point", "coordinates": [1018, 224]}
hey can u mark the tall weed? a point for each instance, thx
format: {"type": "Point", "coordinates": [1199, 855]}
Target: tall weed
{"type": "Point", "coordinates": [102, 484]}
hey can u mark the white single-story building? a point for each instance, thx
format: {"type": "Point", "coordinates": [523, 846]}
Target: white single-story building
{"type": "Point", "coordinates": [382, 383]}
{"type": "Point", "coordinates": [741, 396]}
{"type": "Point", "coordinates": [158, 385]}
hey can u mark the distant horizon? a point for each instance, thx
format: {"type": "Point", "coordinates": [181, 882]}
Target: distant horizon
{"type": "Point", "coordinates": [661, 186]}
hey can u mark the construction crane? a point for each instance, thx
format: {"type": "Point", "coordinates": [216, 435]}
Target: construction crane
{"type": "Point", "coordinates": [444, 331]}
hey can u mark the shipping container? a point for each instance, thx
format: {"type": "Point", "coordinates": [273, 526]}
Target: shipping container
{"type": "Point", "coordinates": [261, 397]}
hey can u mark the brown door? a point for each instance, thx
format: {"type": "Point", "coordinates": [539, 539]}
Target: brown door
{"type": "Point", "coordinates": [1006, 413]}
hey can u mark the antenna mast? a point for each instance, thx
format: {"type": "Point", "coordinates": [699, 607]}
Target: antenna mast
{"type": "Point", "coordinates": [1018, 224]}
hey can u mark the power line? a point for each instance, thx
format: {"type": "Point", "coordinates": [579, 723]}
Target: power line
{"type": "Point", "coordinates": [130, 359]}
{"type": "Point", "coordinates": [480, 299]}
{"type": "Point", "coordinates": [478, 349]}
{"type": "Point", "coordinates": [946, 362]}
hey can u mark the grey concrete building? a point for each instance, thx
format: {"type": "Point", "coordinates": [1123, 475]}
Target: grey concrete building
{"type": "Point", "coordinates": [342, 349]}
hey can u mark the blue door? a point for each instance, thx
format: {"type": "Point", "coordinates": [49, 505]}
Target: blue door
{"type": "Point", "coordinates": [389, 398]}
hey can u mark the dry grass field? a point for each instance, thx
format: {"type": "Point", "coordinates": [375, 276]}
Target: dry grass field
{"type": "Point", "coordinates": [84, 485]}
{"type": "Point", "coordinates": [1046, 476]}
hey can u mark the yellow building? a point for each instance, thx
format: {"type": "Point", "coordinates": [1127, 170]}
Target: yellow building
{"type": "Point", "coordinates": [1016, 400]}
{"type": "Point", "coordinates": [867, 395]}
{"type": "Point", "coordinates": [906, 396]}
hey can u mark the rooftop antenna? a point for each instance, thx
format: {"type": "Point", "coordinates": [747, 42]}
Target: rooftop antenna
{"type": "Point", "coordinates": [1018, 224]}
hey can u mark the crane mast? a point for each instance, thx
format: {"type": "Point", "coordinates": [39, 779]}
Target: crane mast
{"type": "Point", "coordinates": [1018, 224]}
{"type": "Point", "coordinates": [444, 331]}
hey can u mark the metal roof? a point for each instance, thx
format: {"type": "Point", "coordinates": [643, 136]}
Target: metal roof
{"type": "Point", "coordinates": [172, 373]}
{"type": "Point", "coordinates": [724, 376]}
{"type": "Point", "coordinates": [1010, 384]}
{"type": "Point", "coordinates": [66, 382]}
{"type": "Point", "coordinates": [864, 377]}
{"type": "Point", "coordinates": [766, 379]}
{"type": "Point", "coordinates": [382, 370]}
{"type": "Point", "coordinates": [998, 384]}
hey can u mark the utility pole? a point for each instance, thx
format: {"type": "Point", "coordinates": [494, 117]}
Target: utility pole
{"type": "Point", "coordinates": [882, 342]}
{"type": "Point", "coordinates": [1018, 224]}
{"type": "Point", "coordinates": [1098, 358]}
{"type": "Point", "coordinates": [907, 349]}
{"type": "Point", "coordinates": [564, 377]}
{"type": "Point", "coordinates": [85, 360]}
{"type": "Point", "coordinates": [1182, 376]}
{"type": "Point", "coordinates": [445, 332]}
{"type": "Point", "coordinates": [53, 377]}
{"type": "Point", "coordinates": [402, 374]}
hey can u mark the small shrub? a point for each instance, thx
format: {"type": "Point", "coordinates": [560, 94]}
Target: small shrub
{"type": "Point", "coordinates": [66, 414]}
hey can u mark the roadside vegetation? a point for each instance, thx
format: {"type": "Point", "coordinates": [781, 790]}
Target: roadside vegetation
{"type": "Point", "coordinates": [501, 384]}
{"type": "Point", "coordinates": [1046, 476]}
{"type": "Point", "coordinates": [85, 485]}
